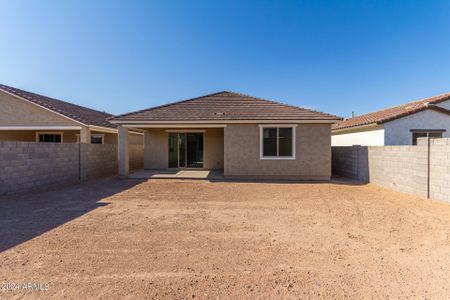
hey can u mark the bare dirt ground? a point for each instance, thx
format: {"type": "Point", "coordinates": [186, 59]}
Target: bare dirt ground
{"type": "Point", "coordinates": [197, 239]}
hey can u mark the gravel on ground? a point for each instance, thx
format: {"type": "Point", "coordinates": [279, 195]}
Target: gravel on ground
{"type": "Point", "coordinates": [181, 239]}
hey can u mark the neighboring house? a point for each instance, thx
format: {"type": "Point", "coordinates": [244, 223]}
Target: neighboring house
{"type": "Point", "coordinates": [400, 125]}
{"type": "Point", "coordinates": [26, 116]}
{"type": "Point", "coordinates": [245, 136]}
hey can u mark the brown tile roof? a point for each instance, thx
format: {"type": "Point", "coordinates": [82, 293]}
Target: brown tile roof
{"type": "Point", "coordinates": [224, 106]}
{"type": "Point", "coordinates": [81, 114]}
{"type": "Point", "coordinates": [386, 115]}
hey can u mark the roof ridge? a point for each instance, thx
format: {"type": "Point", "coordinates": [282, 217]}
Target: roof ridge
{"type": "Point", "coordinates": [166, 105]}
{"type": "Point", "coordinates": [217, 93]}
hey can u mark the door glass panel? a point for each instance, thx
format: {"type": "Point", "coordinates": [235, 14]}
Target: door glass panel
{"type": "Point", "coordinates": [173, 150]}
{"type": "Point", "coordinates": [195, 150]}
{"type": "Point", "coordinates": [182, 148]}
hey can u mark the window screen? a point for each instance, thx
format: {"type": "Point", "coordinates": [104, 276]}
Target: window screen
{"type": "Point", "coordinates": [270, 142]}
{"type": "Point", "coordinates": [284, 141]}
{"type": "Point", "coordinates": [49, 138]}
{"type": "Point", "coordinates": [96, 139]}
{"type": "Point", "coordinates": [421, 134]}
{"type": "Point", "coordinates": [277, 142]}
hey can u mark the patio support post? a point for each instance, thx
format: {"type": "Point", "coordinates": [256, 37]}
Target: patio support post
{"type": "Point", "coordinates": [147, 149]}
{"type": "Point", "coordinates": [124, 159]}
{"type": "Point", "coordinates": [85, 135]}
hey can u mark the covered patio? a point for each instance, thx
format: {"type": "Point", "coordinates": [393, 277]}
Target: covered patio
{"type": "Point", "coordinates": [175, 151]}
{"type": "Point", "coordinates": [177, 174]}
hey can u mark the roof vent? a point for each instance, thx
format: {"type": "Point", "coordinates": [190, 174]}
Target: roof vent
{"type": "Point", "coordinates": [414, 106]}
{"type": "Point", "coordinates": [219, 113]}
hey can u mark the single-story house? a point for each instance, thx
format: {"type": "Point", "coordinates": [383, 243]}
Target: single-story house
{"type": "Point", "coordinates": [400, 125]}
{"type": "Point", "coordinates": [26, 116]}
{"type": "Point", "coordinates": [242, 135]}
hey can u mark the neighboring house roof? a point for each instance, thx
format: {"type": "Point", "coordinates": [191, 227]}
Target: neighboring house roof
{"type": "Point", "coordinates": [87, 116]}
{"type": "Point", "coordinates": [386, 115]}
{"type": "Point", "coordinates": [224, 106]}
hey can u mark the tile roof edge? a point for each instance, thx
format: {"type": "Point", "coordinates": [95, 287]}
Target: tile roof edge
{"type": "Point", "coordinates": [118, 117]}
{"type": "Point", "coordinates": [288, 105]}
{"type": "Point", "coordinates": [365, 125]}
{"type": "Point", "coordinates": [441, 98]}
{"type": "Point", "coordinates": [18, 93]}
{"type": "Point", "coordinates": [162, 105]}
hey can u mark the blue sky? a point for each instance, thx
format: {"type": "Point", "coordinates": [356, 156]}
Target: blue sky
{"type": "Point", "coordinates": [333, 56]}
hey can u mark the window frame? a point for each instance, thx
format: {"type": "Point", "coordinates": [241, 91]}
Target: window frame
{"type": "Point", "coordinates": [277, 126]}
{"type": "Point", "coordinates": [427, 132]}
{"type": "Point", "coordinates": [38, 133]}
{"type": "Point", "coordinates": [101, 135]}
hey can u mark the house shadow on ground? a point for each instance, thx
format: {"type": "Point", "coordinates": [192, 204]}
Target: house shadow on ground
{"type": "Point", "coordinates": [23, 217]}
{"type": "Point", "coordinates": [26, 216]}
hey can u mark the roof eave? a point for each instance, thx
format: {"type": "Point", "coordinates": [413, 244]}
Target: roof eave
{"type": "Point", "coordinates": [240, 121]}
{"type": "Point", "coordinates": [57, 112]}
{"type": "Point", "coordinates": [44, 107]}
{"type": "Point", "coordinates": [363, 126]}
{"type": "Point", "coordinates": [390, 119]}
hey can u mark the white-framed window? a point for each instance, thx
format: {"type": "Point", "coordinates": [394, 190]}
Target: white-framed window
{"type": "Point", "coordinates": [277, 141]}
{"type": "Point", "coordinates": [96, 138]}
{"type": "Point", "coordinates": [431, 133]}
{"type": "Point", "coordinates": [49, 137]}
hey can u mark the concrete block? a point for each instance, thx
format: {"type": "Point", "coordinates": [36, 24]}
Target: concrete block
{"type": "Point", "coordinates": [439, 141]}
{"type": "Point", "coordinates": [422, 141]}
{"type": "Point", "coordinates": [445, 190]}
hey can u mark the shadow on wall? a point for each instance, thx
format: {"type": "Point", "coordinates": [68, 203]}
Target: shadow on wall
{"type": "Point", "coordinates": [351, 162]}
{"type": "Point", "coordinates": [23, 217]}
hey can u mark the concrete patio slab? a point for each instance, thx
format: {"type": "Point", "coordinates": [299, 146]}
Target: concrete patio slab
{"type": "Point", "coordinates": [177, 174]}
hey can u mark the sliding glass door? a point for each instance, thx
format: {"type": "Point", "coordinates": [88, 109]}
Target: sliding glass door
{"type": "Point", "coordinates": [182, 150]}
{"type": "Point", "coordinates": [185, 150]}
{"type": "Point", "coordinates": [173, 150]}
{"type": "Point", "coordinates": [194, 153]}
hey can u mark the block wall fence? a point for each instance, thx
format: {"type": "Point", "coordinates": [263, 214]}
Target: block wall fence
{"type": "Point", "coordinates": [422, 170]}
{"type": "Point", "coordinates": [25, 166]}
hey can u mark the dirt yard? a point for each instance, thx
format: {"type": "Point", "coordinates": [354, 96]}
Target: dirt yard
{"type": "Point", "coordinates": [181, 239]}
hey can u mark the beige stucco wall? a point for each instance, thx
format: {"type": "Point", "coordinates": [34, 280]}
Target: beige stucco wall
{"type": "Point", "coordinates": [156, 149]}
{"type": "Point", "coordinates": [214, 148]}
{"type": "Point", "coordinates": [17, 112]}
{"type": "Point", "coordinates": [134, 139]}
{"type": "Point", "coordinates": [21, 136]}
{"type": "Point", "coordinates": [313, 153]}
{"type": "Point", "coordinates": [109, 138]}
{"type": "Point", "coordinates": [69, 136]}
